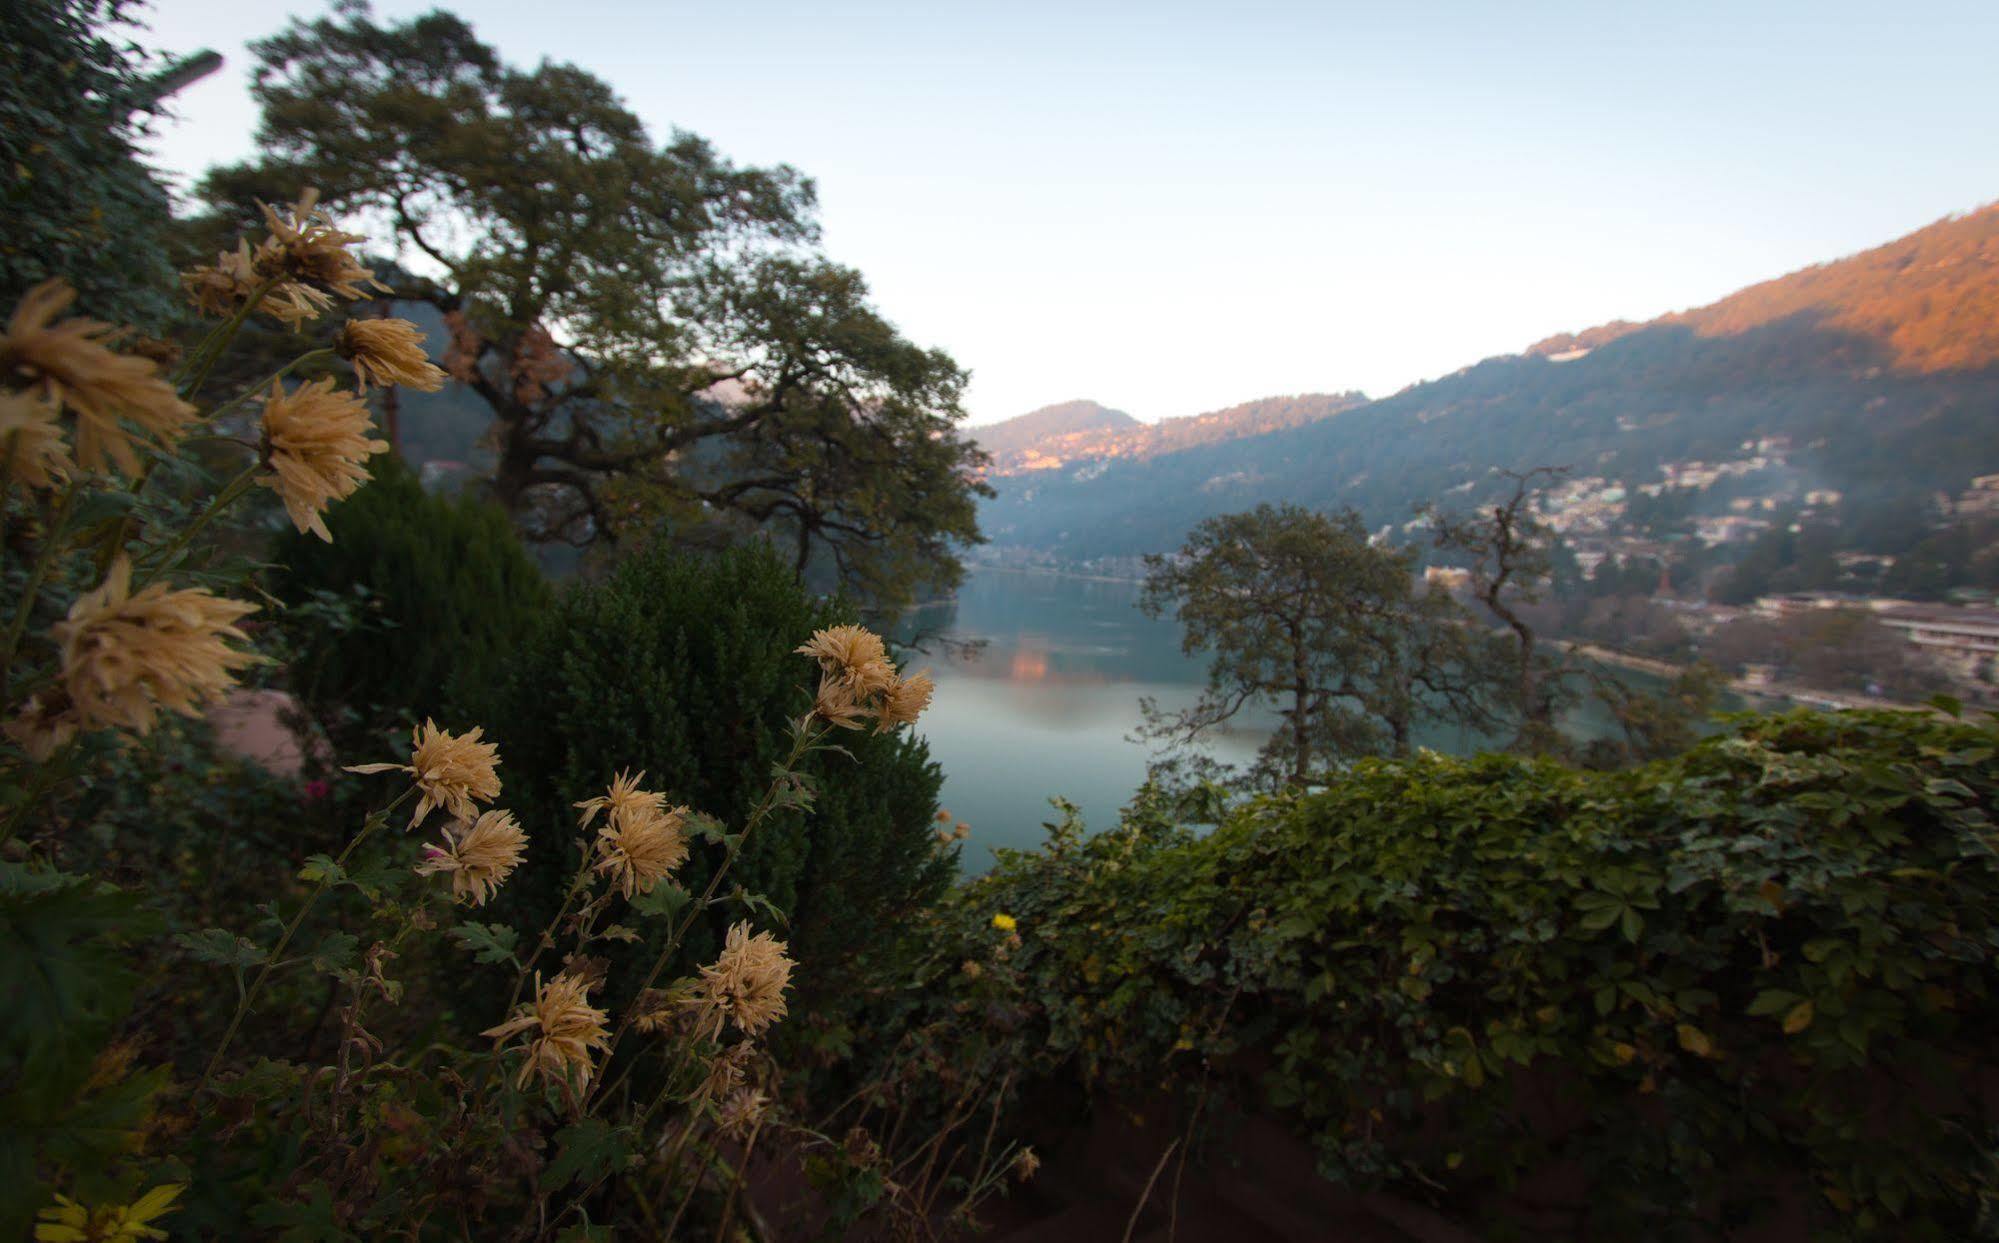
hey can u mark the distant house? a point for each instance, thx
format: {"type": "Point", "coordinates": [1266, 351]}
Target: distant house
{"type": "Point", "coordinates": [1962, 641]}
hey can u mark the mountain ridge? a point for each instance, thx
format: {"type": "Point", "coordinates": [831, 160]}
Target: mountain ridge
{"type": "Point", "coordinates": [1067, 433]}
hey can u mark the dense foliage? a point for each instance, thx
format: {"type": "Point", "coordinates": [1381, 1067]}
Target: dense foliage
{"type": "Point", "coordinates": [75, 198]}
{"type": "Point", "coordinates": [418, 601]}
{"type": "Point", "coordinates": [1752, 984]}
{"type": "Point", "coordinates": [681, 666]}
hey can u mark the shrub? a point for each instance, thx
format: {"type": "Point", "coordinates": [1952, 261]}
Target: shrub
{"type": "Point", "coordinates": [418, 600]}
{"type": "Point", "coordinates": [1753, 984]}
{"type": "Point", "coordinates": [683, 666]}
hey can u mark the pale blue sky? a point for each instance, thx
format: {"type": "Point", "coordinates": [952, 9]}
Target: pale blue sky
{"type": "Point", "coordinates": [1172, 208]}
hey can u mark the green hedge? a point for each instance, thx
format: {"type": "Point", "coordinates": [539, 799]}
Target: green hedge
{"type": "Point", "coordinates": [683, 667]}
{"type": "Point", "coordinates": [1754, 984]}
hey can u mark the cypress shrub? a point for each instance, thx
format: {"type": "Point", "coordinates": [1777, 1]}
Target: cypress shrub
{"type": "Point", "coordinates": [683, 666]}
{"type": "Point", "coordinates": [418, 601]}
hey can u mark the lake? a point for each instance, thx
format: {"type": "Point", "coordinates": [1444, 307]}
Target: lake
{"type": "Point", "coordinates": [1046, 706]}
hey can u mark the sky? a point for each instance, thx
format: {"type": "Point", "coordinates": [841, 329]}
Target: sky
{"type": "Point", "coordinates": [1171, 208]}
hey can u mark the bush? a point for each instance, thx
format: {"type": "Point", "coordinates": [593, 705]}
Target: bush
{"type": "Point", "coordinates": [1750, 985]}
{"type": "Point", "coordinates": [418, 600]}
{"type": "Point", "coordinates": [683, 667]}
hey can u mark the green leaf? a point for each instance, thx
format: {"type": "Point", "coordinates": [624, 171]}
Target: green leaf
{"type": "Point", "coordinates": [222, 948]}
{"type": "Point", "coordinates": [588, 1149]}
{"type": "Point", "coordinates": [322, 868]}
{"type": "Point", "coordinates": [664, 900]}
{"type": "Point", "coordinates": [488, 942]}
{"type": "Point", "coordinates": [336, 952]}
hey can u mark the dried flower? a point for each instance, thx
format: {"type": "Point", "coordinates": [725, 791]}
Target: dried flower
{"type": "Point", "coordinates": [622, 798]}
{"type": "Point", "coordinates": [903, 700]}
{"type": "Point", "coordinates": [1005, 922]}
{"type": "Point", "coordinates": [944, 816]}
{"type": "Point", "coordinates": [854, 655]}
{"type": "Point", "coordinates": [387, 352]}
{"type": "Point", "coordinates": [127, 656]}
{"type": "Point", "coordinates": [658, 1010]}
{"type": "Point", "coordinates": [566, 1028]}
{"type": "Point", "coordinates": [641, 849]}
{"type": "Point", "coordinates": [726, 1071]}
{"type": "Point", "coordinates": [44, 723]}
{"type": "Point", "coordinates": [1026, 1164]}
{"type": "Point", "coordinates": [316, 443]}
{"type": "Point", "coordinates": [479, 856]}
{"type": "Point", "coordinates": [304, 249]}
{"type": "Point", "coordinates": [452, 771]}
{"type": "Point", "coordinates": [747, 982]}
{"type": "Point", "coordinates": [971, 969]}
{"type": "Point", "coordinates": [66, 1221]}
{"type": "Point", "coordinates": [835, 704]}
{"type": "Point", "coordinates": [70, 366]}
{"type": "Point", "coordinates": [31, 442]}
{"type": "Point", "coordinates": [742, 1113]}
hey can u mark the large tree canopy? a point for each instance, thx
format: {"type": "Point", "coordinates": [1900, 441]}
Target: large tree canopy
{"type": "Point", "coordinates": [660, 344]}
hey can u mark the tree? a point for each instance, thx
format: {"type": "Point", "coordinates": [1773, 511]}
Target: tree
{"type": "Point", "coordinates": [1507, 551]}
{"type": "Point", "coordinates": [75, 198]}
{"type": "Point", "coordinates": [1302, 614]}
{"type": "Point", "coordinates": [660, 347]}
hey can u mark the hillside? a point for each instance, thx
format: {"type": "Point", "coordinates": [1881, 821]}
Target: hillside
{"type": "Point", "coordinates": [1890, 356]}
{"type": "Point", "coordinates": [1079, 432]}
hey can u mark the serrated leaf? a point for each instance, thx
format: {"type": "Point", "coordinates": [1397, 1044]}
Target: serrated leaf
{"type": "Point", "coordinates": [663, 901]}
{"type": "Point", "coordinates": [336, 951]}
{"type": "Point", "coordinates": [590, 1148]}
{"type": "Point", "coordinates": [488, 942]}
{"type": "Point", "coordinates": [322, 868]}
{"type": "Point", "coordinates": [221, 947]}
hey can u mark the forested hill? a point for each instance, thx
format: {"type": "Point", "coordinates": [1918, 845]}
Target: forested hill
{"type": "Point", "coordinates": [1080, 432]}
{"type": "Point", "coordinates": [1880, 372]}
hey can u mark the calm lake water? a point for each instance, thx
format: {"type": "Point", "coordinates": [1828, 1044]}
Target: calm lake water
{"type": "Point", "coordinates": [1046, 707]}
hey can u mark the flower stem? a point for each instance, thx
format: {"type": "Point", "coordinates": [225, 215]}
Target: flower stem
{"type": "Point", "coordinates": [45, 559]}
{"type": "Point", "coordinates": [368, 828]}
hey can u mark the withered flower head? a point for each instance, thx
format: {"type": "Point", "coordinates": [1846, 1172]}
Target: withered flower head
{"type": "Point", "coordinates": [317, 445]}
{"type": "Point", "coordinates": [71, 365]}
{"type": "Point", "coordinates": [479, 856]}
{"type": "Point", "coordinates": [746, 984]}
{"type": "Point", "coordinates": [566, 1028]}
{"type": "Point", "coordinates": [221, 288]}
{"type": "Point", "coordinates": [622, 798]}
{"type": "Point", "coordinates": [452, 771]}
{"type": "Point", "coordinates": [903, 700]}
{"type": "Point", "coordinates": [31, 442]}
{"type": "Point", "coordinates": [387, 352]}
{"type": "Point", "coordinates": [642, 847]}
{"type": "Point", "coordinates": [1026, 1164]}
{"type": "Point", "coordinates": [835, 703]}
{"type": "Point", "coordinates": [742, 1113]}
{"type": "Point", "coordinates": [304, 248]}
{"type": "Point", "coordinates": [44, 723]}
{"type": "Point", "coordinates": [727, 1071]}
{"type": "Point", "coordinates": [854, 655]}
{"type": "Point", "coordinates": [126, 656]}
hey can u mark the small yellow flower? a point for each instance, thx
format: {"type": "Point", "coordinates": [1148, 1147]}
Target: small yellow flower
{"type": "Point", "coordinates": [317, 445]}
{"type": "Point", "coordinates": [746, 984]}
{"type": "Point", "coordinates": [1005, 922]}
{"type": "Point", "coordinates": [478, 856]}
{"type": "Point", "coordinates": [854, 655]}
{"type": "Point", "coordinates": [452, 771]}
{"type": "Point", "coordinates": [66, 1221]}
{"type": "Point", "coordinates": [127, 656]}
{"type": "Point", "coordinates": [31, 443]}
{"type": "Point", "coordinates": [387, 352]}
{"type": "Point", "coordinates": [566, 1026]}
{"type": "Point", "coordinates": [903, 700]}
{"type": "Point", "coordinates": [304, 249]}
{"type": "Point", "coordinates": [70, 365]}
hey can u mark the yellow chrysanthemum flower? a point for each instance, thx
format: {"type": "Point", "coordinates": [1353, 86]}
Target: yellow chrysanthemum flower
{"type": "Point", "coordinates": [853, 654]}
{"type": "Point", "coordinates": [126, 656]}
{"type": "Point", "coordinates": [31, 442]}
{"type": "Point", "coordinates": [747, 982]}
{"type": "Point", "coordinates": [452, 771]}
{"type": "Point", "coordinates": [304, 248]}
{"type": "Point", "coordinates": [1005, 922]}
{"type": "Point", "coordinates": [835, 703]}
{"type": "Point", "coordinates": [387, 352]}
{"type": "Point", "coordinates": [903, 700]}
{"type": "Point", "coordinates": [566, 1028]}
{"type": "Point", "coordinates": [66, 1221]}
{"type": "Point", "coordinates": [642, 849]}
{"type": "Point", "coordinates": [317, 446]}
{"type": "Point", "coordinates": [70, 365]}
{"type": "Point", "coordinates": [478, 856]}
